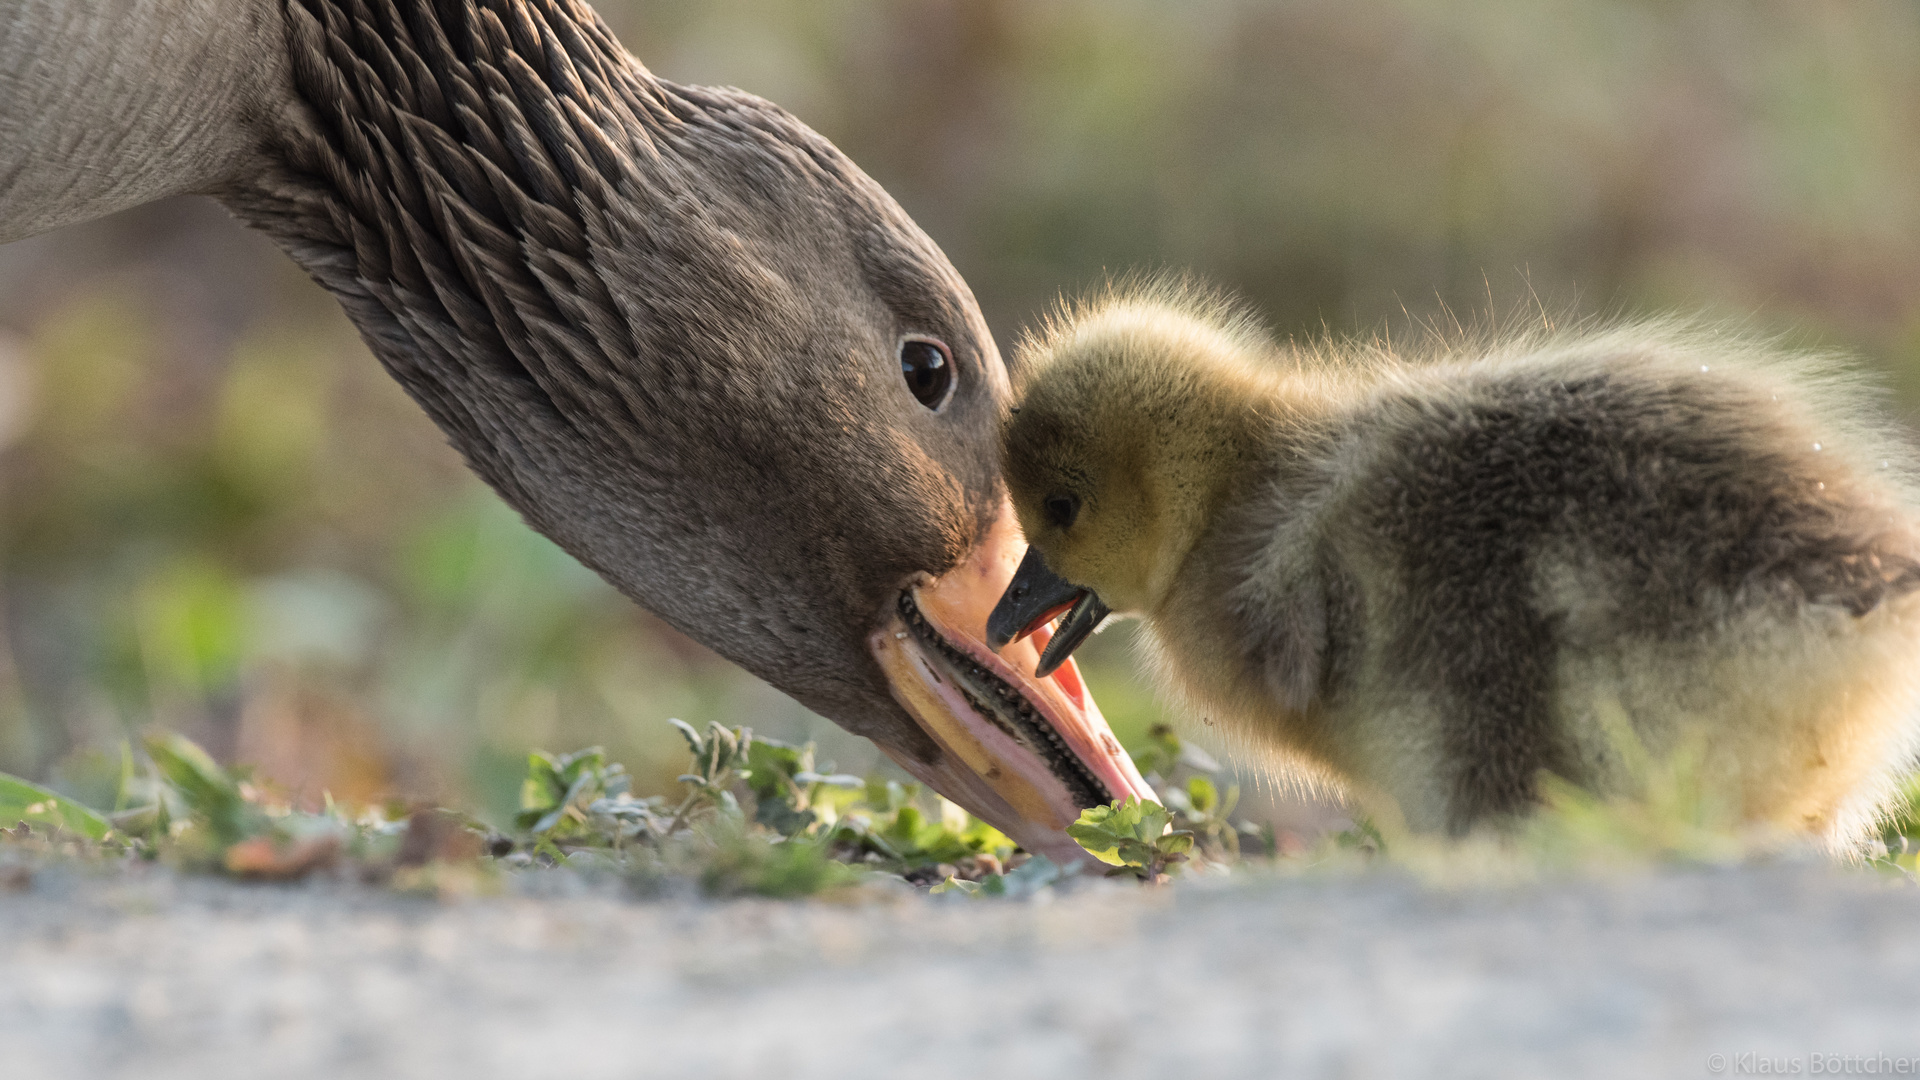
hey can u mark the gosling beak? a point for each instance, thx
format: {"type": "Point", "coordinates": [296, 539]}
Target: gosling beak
{"type": "Point", "coordinates": [1025, 750]}
{"type": "Point", "coordinates": [1033, 598]}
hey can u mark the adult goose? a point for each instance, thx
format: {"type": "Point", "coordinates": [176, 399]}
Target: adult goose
{"type": "Point", "coordinates": [676, 329]}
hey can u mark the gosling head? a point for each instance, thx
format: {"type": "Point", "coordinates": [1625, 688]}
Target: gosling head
{"type": "Point", "coordinates": [1136, 415]}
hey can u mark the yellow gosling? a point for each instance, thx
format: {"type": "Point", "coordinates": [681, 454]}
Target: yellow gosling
{"type": "Point", "coordinates": [1428, 579]}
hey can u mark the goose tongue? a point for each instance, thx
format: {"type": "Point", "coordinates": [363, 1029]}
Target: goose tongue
{"type": "Point", "coordinates": [1024, 751]}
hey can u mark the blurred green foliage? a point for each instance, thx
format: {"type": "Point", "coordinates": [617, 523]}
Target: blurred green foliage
{"type": "Point", "coordinates": [798, 833]}
{"type": "Point", "coordinates": [1336, 160]}
{"type": "Point", "coordinates": [219, 516]}
{"type": "Point", "coordinates": [21, 800]}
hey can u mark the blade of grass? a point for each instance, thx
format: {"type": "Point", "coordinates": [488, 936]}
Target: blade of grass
{"type": "Point", "coordinates": [23, 801]}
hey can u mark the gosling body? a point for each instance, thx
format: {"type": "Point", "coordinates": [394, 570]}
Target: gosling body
{"type": "Point", "coordinates": [1430, 580]}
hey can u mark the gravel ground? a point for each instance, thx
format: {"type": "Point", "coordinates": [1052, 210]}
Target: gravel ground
{"type": "Point", "coordinates": [155, 976]}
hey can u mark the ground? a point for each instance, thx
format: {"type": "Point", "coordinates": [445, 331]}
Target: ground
{"type": "Point", "coordinates": [1652, 974]}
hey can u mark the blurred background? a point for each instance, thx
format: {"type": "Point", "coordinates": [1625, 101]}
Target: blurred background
{"type": "Point", "coordinates": [217, 514]}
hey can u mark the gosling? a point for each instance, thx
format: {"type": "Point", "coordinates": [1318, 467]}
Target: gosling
{"type": "Point", "coordinates": [1429, 580]}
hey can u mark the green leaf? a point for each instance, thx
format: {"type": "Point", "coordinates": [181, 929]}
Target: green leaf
{"type": "Point", "coordinates": [779, 815]}
{"type": "Point", "coordinates": [1159, 753]}
{"type": "Point", "coordinates": [1135, 852]}
{"type": "Point", "coordinates": [1099, 841]}
{"type": "Point", "coordinates": [776, 767]}
{"type": "Point", "coordinates": [541, 789]}
{"type": "Point", "coordinates": [742, 862]}
{"type": "Point", "coordinates": [888, 796]}
{"type": "Point", "coordinates": [695, 745]}
{"type": "Point", "coordinates": [1121, 833]}
{"type": "Point", "coordinates": [982, 837]}
{"type": "Point", "coordinates": [211, 793]}
{"type": "Point", "coordinates": [1106, 853]}
{"type": "Point", "coordinates": [1027, 879]}
{"type": "Point", "coordinates": [954, 884]}
{"type": "Point", "coordinates": [1153, 821]}
{"type": "Point", "coordinates": [1204, 797]}
{"type": "Point", "coordinates": [187, 767]}
{"type": "Point", "coordinates": [580, 798]}
{"type": "Point", "coordinates": [23, 801]}
{"type": "Point", "coordinates": [547, 821]}
{"type": "Point", "coordinates": [1116, 818]}
{"type": "Point", "coordinates": [726, 747]}
{"type": "Point", "coordinates": [846, 781]}
{"type": "Point", "coordinates": [1363, 836]}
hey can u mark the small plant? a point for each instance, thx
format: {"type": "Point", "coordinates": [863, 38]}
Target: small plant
{"type": "Point", "coordinates": [1900, 836]}
{"type": "Point", "coordinates": [790, 795]}
{"type": "Point", "coordinates": [762, 817]}
{"type": "Point", "coordinates": [198, 805]}
{"type": "Point", "coordinates": [1164, 754]}
{"type": "Point", "coordinates": [580, 799]}
{"type": "Point", "coordinates": [743, 861]}
{"type": "Point", "coordinates": [888, 827]}
{"type": "Point", "coordinates": [188, 809]}
{"type": "Point", "coordinates": [1665, 810]}
{"type": "Point", "coordinates": [1027, 879]}
{"type": "Point", "coordinates": [803, 828]}
{"type": "Point", "coordinates": [755, 816]}
{"type": "Point", "coordinates": [1195, 813]}
{"type": "Point", "coordinates": [1133, 836]}
{"type": "Point", "coordinates": [719, 760]}
{"type": "Point", "coordinates": [1361, 838]}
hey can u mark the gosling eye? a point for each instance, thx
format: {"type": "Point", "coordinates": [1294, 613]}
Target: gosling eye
{"type": "Point", "coordinates": [927, 366]}
{"type": "Point", "coordinates": [1062, 509]}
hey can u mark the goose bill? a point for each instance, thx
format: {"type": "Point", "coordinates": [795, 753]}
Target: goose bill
{"type": "Point", "coordinates": [1024, 751]}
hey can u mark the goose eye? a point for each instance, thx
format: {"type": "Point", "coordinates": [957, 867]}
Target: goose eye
{"type": "Point", "coordinates": [1062, 509]}
{"type": "Point", "coordinates": [928, 369]}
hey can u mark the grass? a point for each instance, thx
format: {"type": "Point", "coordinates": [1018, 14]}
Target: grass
{"type": "Point", "coordinates": [760, 817]}
{"type": "Point", "coordinates": [1672, 818]}
{"type": "Point", "coordinates": [1901, 834]}
{"type": "Point", "coordinates": [753, 817]}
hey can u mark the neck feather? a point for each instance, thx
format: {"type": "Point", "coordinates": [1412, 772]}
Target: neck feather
{"type": "Point", "coordinates": [456, 173]}
{"type": "Point", "coordinates": [106, 104]}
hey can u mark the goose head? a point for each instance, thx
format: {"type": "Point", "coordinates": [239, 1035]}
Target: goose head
{"type": "Point", "coordinates": [697, 347]}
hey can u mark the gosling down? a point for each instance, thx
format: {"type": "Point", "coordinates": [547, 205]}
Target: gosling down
{"type": "Point", "coordinates": [1429, 580]}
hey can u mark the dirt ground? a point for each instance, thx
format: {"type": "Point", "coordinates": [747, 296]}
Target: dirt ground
{"type": "Point", "coordinates": [1802, 970]}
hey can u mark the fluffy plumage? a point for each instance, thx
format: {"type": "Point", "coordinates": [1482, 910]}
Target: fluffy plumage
{"type": "Point", "coordinates": [1431, 576]}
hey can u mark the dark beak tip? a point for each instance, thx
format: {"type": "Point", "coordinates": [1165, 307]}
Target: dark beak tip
{"type": "Point", "coordinates": [1034, 596]}
{"type": "Point", "coordinates": [1033, 590]}
{"type": "Point", "coordinates": [1086, 616]}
